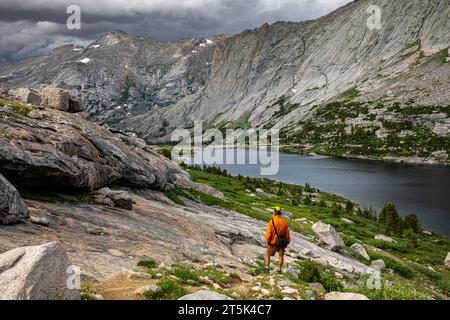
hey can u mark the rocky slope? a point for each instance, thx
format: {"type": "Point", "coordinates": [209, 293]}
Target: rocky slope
{"type": "Point", "coordinates": [58, 158]}
{"type": "Point", "coordinates": [281, 75]}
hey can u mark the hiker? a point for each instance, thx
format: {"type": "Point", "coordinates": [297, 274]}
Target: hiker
{"type": "Point", "coordinates": [277, 239]}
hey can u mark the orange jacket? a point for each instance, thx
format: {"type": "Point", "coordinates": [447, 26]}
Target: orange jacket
{"type": "Point", "coordinates": [282, 229]}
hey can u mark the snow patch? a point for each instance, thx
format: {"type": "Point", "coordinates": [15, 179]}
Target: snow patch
{"type": "Point", "coordinates": [209, 41]}
{"type": "Point", "coordinates": [85, 60]}
{"type": "Point", "coordinates": [96, 46]}
{"type": "Point", "coordinates": [202, 45]}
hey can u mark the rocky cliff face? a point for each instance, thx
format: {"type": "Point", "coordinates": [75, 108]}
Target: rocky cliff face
{"type": "Point", "coordinates": [47, 148]}
{"type": "Point", "coordinates": [277, 76]}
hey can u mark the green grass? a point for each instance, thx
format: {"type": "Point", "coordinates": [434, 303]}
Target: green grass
{"type": "Point", "coordinates": [149, 264]}
{"type": "Point", "coordinates": [400, 289]}
{"type": "Point", "coordinates": [86, 294]}
{"type": "Point", "coordinates": [350, 94]}
{"type": "Point", "coordinates": [219, 277]}
{"type": "Point", "coordinates": [185, 274]}
{"type": "Point", "coordinates": [18, 107]}
{"type": "Point", "coordinates": [174, 194]}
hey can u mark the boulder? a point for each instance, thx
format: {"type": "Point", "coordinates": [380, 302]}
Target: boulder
{"type": "Point", "coordinates": [39, 221]}
{"type": "Point", "coordinates": [346, 296]}
{"type": "Point", "coordinates": [381, 237]}
{"type": "Point", "coordinates": [26, 95]}
{"type": "Point", "coordinates": [318, 287]}
{"type": "Point", "coordinates": [348, 221]}
{"type": "Point", "coordinates": [447, 260]}
{"type": "Point", "coordinates": [293, 271]}
{"type": "Point", "coordinates": [262, 193]}
{"type": "Point", "coordinates": [150, 288]}
{"type": "Point", "coordinates": [12, 207]}
{"type": "Point", "coordinates": [205, 280]}
{"type": "Point", "coordinates": [59, 99]}
{"type": "Point", "coordinates": [380, 264]}
{"type": "Point", "coordinates": [104, 201]}
{"type": "Point", "coordinates": [36, 273]}
{"type": "Point", "coordinates": [359, 248]}
{"type": "Point", "coordinates": [266, 293]}
{"type": "Point", "coordinates": [289, 291]}
{"type": "Point", "coordinates": [34, 114]}
{"type": "Point", "coordinates": [328, 235]}
{"type": "Point", "coordinates": [205, 295]}
{"type": "Point", "coordinates": [121, 199]}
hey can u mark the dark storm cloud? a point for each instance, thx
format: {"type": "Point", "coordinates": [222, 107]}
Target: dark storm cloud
{"type": "Point", "coordinates": [35, 27]}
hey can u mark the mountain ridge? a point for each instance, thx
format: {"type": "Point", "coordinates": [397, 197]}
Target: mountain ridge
{"type": "Point", "coordinates": [276, 75]}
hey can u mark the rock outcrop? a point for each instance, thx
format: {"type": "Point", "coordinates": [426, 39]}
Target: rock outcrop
{"type": "Point", "coordinates": [119, 199]}
{"type": "Point", "coordinates": [36, 273]}
{"type": "Point", "coordinates": [379, 264]}
{"type": "Point", "coordinates": [205, 295]}
{"type": "Point", "coordinates": [26, 95]}
{"type": "Point", "coordinates": [384, 238]}
{"type": "Point", "coordinates": [12, 207]}
{"type": "Point", "coordinates": [327, 235]}
{"type": "Point", "coordinates": [359, 248]}
{"type": "Point", "coordinates": [157, 230]}
{"type": "Point", "coordinates": [64, 150]}
{"type": "Point", "coordinates": [59, 99]}
{"type": "Point", "coordinates": [447, 260]}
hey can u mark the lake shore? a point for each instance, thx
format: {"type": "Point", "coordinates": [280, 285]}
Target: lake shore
{"type": "Point", "coordinates": [388, 159]}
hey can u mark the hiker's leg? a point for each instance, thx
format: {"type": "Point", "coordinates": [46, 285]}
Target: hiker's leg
{"type": "Point", "coordinates": [268, 254]}
{"type": "Point", "coordinates": [281, 262]}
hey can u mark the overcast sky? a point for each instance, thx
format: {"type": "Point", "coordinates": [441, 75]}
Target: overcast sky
{"type": "Point", "coordinates": [34, 27]}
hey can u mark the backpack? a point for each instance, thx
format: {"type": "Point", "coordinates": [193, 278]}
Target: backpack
{"type": "Point", "coordinates": [282, 240]}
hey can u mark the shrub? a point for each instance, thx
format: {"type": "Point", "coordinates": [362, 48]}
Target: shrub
{"type": "Point", "coordinates": [165, 153]}
{"type": "Point", "coordinates": [398, 267]}
{"type": "Point", "coordinates": [150, 264]}
{"type": "Point", "coordinates": [310, 271]}
{"type": "Point", "coordinates": [329, 282]}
